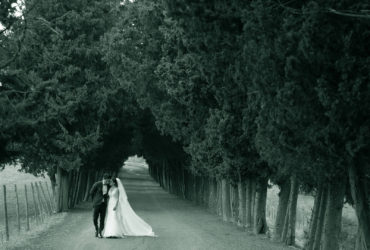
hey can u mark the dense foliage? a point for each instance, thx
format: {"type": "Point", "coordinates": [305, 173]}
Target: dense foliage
{"type": "Point", "coordinates": [62, 103]}
{"type": "Point", "coordinates": [253, 89]}
{"type": "Point", "coordinates": [230, 90]}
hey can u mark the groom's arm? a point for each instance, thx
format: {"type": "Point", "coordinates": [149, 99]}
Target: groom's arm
{"type": "Point", "coordinates": [93, 190]}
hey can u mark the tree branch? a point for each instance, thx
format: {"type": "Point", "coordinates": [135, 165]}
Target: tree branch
{"type": "Point", "coordinates": [340, 13]}
{"type": "Point", "coordinates": [19, 45]}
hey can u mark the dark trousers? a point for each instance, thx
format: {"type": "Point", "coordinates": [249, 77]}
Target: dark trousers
{"type": "Point", "coordinates": [99, 211]}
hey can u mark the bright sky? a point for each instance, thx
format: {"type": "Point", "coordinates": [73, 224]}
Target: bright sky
{"type": "Point", "coordinates": [19, 8]}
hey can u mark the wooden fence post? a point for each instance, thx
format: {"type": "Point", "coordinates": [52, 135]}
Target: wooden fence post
{"type": "Point", "coordinates": [51, 198]}
{"type": "Point", "coordinates": [27, 210]}
{"type": "Point", "coordinates": [41, 204]}
{"type": "Point", "coordinates": [48, 205]}
{"type": "Point", "coordinates": [37, 213]}
{"type": "Point", "coordinates": [6, 215]}
{"type": "Point", "coordinates": [17, 208]}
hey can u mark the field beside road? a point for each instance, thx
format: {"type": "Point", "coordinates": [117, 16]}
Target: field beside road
{"type": "Point", "coordinates": [304, 209]}
{"type": "Point", "coordinates": [11, 176]}
{"type": "Point", "coordinates": [179, 224]}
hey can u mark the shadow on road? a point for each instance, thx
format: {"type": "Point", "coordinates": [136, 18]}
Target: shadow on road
{"type": "Point", "coordinates": [180, 224]}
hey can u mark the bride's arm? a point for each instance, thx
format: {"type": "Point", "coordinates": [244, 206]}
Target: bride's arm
{"type": "Point", "coordinates": [115, 206]}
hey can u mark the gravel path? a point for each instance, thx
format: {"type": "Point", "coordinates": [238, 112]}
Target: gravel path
{"type": "Point", "coordinates": [179, 224]}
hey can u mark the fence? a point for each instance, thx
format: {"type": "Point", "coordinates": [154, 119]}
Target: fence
{"type": "Point", "coordinates": [302, 217]}
{"type": "Point", "coordinates": [23, 207]}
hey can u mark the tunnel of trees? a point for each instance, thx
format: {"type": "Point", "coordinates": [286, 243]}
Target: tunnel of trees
{"type": "Point", "coordinates": [220, 97]}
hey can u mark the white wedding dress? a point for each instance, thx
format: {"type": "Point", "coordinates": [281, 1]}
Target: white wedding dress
{"type": "Point", "coordinates": [123, 221]}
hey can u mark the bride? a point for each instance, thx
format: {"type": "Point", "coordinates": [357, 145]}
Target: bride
{"type": "Point", "coordinates": [121, 220]}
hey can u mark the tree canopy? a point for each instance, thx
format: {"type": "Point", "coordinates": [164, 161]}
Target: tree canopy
{"type": "Point", "coordinates": [230, 90]}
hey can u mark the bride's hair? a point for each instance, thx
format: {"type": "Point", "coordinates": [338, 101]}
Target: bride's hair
{"type": "Point", "coordinates": [106, 176]}
{"type": "Point", "coordinates": [115, 182]}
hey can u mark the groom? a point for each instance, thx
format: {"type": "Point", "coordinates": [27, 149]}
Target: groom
{"type": "Point", "coordinates": [99, 194]}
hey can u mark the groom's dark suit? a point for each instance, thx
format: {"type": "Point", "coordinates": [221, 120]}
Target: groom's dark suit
{"type": "Point", "coordinates": [100, 202]}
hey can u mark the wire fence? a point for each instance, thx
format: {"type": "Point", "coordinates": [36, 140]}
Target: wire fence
{"type": "Point", "coordinates": [302, 217]}
{"type": "Point", "coordinates": [22, 207]}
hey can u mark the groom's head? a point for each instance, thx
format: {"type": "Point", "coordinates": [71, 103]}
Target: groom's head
{"type": "Point", "coordinates": [106, 178]}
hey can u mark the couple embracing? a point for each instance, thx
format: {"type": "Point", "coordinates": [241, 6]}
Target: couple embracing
{"type": "Point", "coordinates": [112, 209]}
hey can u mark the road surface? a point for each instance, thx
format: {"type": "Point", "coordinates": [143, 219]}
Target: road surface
{"type": "Point", "coordinates": [179, 224]}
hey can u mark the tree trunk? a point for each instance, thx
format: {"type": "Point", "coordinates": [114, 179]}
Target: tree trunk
{"type": "Point", "coordinates": [176, 184]}
{"type": "Point", "coordinates": [202, 191]}
{"type": "Point", "coordinates": [194, 188]}
{"type": "Point", "coordinates": [320, 220]}
{"type": "Point", "coordinates": [259, 221]}
{"type": "Point", "coordinates": [89, 184]}
{"type": "Point", "coordinates": [231, 189]}
{"type": "Point", "coordinates": [219, 198]}
{"type": "Point", "coordinates": [80, 186]}
{"type": "Point", "coordinates": [186, 184]}
{"type": "Point", "coordinates": [236, 203]}
{"type": "Point", "coordinates": [183, 190]}
{"type": "Point", "coordinates": [96, 176]}
{"type": "Point", "coordinates": [74, 188]}
{"type": "Point", "coordinates": [190, 186]}
{"type": "Point", "coordinates": [206, 190]}
{"type": "Point", "coordinates": [77, 187]}
{"type": "Point", "coordinates": [71, 181]}
{"type": "Point", "coordinates": [333, 215]}
{"type": "Point", "coordinates": [164, 177]}
{"type": "Point", "coordinates": [226, 213]}
{"type": "Point", "coordinates": [151, 171]}
{"type": "Point", "coordinates": [155, 173]}
{"type": "Point", "coordinates": [212, 195]}
{"type": "Point", "coordinates": [158, 171]}
{"type": "Point", "coordinates": [197, 190]}
{"type": "Point", "coordinates": [63, 184]}
{"type": "Point", "coordinates": [360, 195]}
{"type": "Point", "coordinates": [233, 203]}
{"type": "Point", "coordinates": [314, 218]}
{"type": "Point", "coordinates": [242, 203]}
{"type": "Point", "coordinates": [250, 200]}
{"type": "Point", "coordinates": [360, 240]}
{"type": "Point", "coordinates": [281, 210]}
{"type": "Point", "coordinates": [82, 189]}
{"type": "Point", "coordinates": [169, 179]}
{"type": "Point", "coordinates": [174, 179]}
{"type": "Point", "coordinates": [288, 235]}
{"type": "Point", "coordinates": [52, 175]}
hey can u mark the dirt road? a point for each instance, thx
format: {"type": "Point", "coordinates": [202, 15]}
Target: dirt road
{"type": "Point", "coordinates": [179, 224]}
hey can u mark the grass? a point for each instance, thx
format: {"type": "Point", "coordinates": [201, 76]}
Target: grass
{"type": "Point", "coordinates": [304, 209]}
{"type": "Point", "coordinates": [18, 240]}
{"type": "Point", "coordinates": [10, 176]}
